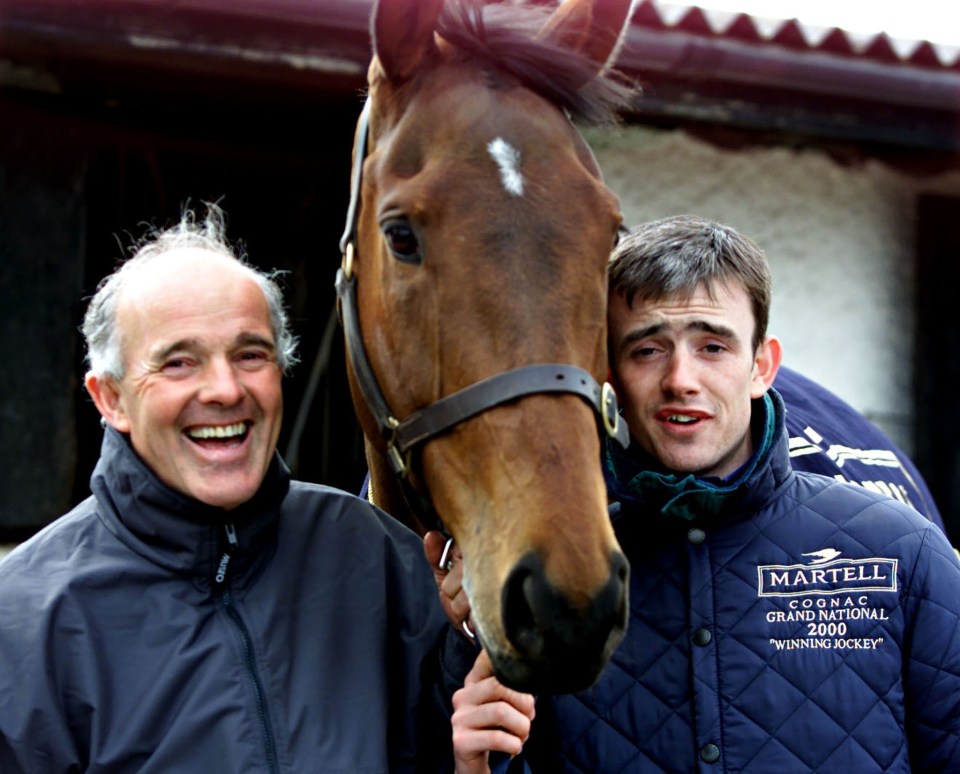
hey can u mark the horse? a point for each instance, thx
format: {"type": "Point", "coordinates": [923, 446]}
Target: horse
{"type": "Point", "coordinates": [473, 298]}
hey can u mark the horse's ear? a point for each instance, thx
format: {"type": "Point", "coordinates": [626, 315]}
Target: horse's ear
{"type": "Point", "coordinates": [590, 27]}
{"type": "Point", "coordinates": [402, 33]}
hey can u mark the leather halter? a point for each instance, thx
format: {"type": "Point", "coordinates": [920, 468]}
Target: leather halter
{"type": "Point", "coordinates": [403, 436]}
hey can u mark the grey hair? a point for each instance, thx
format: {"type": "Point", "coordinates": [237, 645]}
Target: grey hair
{"type": "Point", "coordinates": [100, 329]}
{"type": "Point", "coordinates": [674, 256]}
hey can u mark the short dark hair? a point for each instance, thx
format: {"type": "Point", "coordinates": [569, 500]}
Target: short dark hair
{"type": "Point", "coordinates": [675, 255]}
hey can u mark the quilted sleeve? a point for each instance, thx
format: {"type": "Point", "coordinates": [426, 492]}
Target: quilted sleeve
{"type": "Point", "coordinates": [932, 657]}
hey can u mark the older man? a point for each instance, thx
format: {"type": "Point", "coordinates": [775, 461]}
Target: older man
{"type": "Point", "coordinates": [201, 612]}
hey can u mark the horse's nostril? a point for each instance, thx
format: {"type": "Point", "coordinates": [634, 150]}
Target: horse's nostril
{"type": "Point", "coordinates": [619, 569]}
{"type": "Point", "coordinates": [619, 584]}
{"type": "Point", "coordinates": [519, 620]}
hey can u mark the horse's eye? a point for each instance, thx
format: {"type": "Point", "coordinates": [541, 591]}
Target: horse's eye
{"type": "Point", "coordinates": [402, 241]}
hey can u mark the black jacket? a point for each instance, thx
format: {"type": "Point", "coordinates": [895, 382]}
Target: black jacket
{"type": "Point", "coordinates": [135, 638]}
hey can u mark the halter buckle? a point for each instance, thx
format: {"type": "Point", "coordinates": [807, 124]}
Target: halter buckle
{"type": "Point", "coordinates": [399, 462]}
{"type": "Point", "coordinates": [609, 411]}
{"type": "Point", "coordinates": [347, 263]}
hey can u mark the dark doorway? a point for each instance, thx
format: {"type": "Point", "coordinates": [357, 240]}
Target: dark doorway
{"type": "Point", "coordinates": [938, 364]}
{"type": "Point", "coordinates": [96, 176]}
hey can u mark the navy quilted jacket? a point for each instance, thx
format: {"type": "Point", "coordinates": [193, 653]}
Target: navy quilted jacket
{"type": "Point", "coordinates": [782, 623]}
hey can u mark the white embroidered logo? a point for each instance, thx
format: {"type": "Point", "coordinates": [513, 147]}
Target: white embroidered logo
{"type": "Point", "coordinates": [827, 574]}
{"type": "Point", "coordinates": [826, 604]}
{"type": "Point", "coordinates": [824, 555]}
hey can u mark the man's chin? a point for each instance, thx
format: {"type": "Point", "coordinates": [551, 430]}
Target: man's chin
{"type": "Point", "coordinates": [685, 463]}
{"type": "Point", "coordinates": [226, 494]}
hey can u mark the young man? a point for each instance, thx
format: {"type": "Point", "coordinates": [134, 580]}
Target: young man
{"type": "Point", "coordinates": [780, 620]}
{"type": "Point", "coordinates": [201, 612]}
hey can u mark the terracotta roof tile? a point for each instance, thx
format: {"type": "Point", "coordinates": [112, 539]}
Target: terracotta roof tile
{"type": "Point", "coordinates": [792, 33]}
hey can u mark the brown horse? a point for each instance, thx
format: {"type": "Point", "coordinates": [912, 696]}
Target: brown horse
{"type": "Point", "coordinates": [473, 297]}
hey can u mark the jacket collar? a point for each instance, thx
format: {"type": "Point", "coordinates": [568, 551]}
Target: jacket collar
{"type": "Point", "coordinates": [637, 479]}
{"type": "Point", "coordinates": [173, 530]}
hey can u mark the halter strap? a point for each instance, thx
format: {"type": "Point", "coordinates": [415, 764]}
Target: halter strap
{"type": "Point", "coordinates": [451, 410]}
{"type": "Point", "coordinates": [349, 237]}
{"type": "Point", "coordinates": [447, 412]}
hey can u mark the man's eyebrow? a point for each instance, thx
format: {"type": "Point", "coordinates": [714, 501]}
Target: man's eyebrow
{"type": "Point", "coordinates": [704, 326]}
{"type": "Point", "coordinates": [244, 339]}
{"type": "Point", "coordinates": [179, 345]}
{"type": "Point", "coordinates": [641, 333]}
{"type": "Point", "coordinates": [723, 331]}
{"type": "Point", "coordinates": [255, 340]}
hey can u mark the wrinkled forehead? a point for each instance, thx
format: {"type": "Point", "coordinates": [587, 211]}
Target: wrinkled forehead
{"type": "Point", "coordinates": [182, 270]}
{"type": "Point", "coordinates": [190, 284]}
{"type": "Point", "coordinates": [717, 305]}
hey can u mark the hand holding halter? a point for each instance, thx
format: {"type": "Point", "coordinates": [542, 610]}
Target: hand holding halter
{"type": "Point", "coordinates": [447, 564]}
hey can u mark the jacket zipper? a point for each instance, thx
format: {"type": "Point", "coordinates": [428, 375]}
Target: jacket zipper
{"type": "Point", "coordinates": [221, 583]}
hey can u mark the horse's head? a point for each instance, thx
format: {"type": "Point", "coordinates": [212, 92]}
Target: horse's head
{"type": "Point", "coordinates": [477, 244]}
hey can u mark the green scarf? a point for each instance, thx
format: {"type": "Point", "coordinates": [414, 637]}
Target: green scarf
{"type": "Point", "coordinates": [638, 478]}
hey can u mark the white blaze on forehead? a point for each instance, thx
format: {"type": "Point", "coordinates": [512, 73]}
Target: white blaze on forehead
{"type": "Point", "coordinates": [508, 159]}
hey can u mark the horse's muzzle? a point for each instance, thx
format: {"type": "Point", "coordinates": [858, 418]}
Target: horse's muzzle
{"type": "Point", "coordinates": [560, 648]}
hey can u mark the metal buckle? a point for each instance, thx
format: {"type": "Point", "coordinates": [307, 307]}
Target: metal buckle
{"type": "Point", "coordinates": [399, 463]}
{"type": "Point", "coordinates": [446, 561]}
{"type": "Point", "coordinates": [347, 263]}
{"type": "Point", "coordinates": [609, 413]}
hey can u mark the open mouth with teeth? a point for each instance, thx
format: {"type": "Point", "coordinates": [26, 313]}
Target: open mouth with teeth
{"type": "Point", "coordinates": [681, 419]}
{"type": "Point", "coordinates": [218, 436]}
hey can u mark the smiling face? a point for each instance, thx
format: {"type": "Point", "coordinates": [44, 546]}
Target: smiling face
{"type": "Point", "coordinates": [201, 393]}
{"type": "Point", "coordinates": [686, 371]}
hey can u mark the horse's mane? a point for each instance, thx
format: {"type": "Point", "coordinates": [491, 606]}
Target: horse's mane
{"type": "Point", "coordinates": [503, 37]}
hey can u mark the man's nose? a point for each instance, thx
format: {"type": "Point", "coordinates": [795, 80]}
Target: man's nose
{"type": "Point", "coordinates": [220, 383]}
{"type": "Point", "coordinates": [680, 377]}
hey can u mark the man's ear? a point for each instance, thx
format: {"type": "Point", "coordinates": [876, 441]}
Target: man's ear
{"type": "Point", "coordinates": [765, 365]}
{"type": "Point", "coordinates": [615, 382]}
{"type": "Point", "coordinates": [106, 397]}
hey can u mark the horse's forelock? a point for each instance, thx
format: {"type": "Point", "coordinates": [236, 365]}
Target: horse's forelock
{"type": "Point", "coordinates": [502, 36]}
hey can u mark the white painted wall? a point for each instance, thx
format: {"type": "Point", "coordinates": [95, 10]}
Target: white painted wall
{"type": "Point", "coordinates": [840, 240]}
